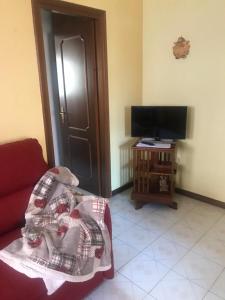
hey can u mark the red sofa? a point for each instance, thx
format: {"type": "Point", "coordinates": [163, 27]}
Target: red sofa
{"type": "Point", "coordinates": [21, 166]}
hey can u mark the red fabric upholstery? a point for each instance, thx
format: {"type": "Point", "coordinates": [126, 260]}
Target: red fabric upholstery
{"type": "Point", "coordinates": [7, 238]}
{"type": "Point", "coordinates": [16, 286]}
{"type": "Point", "coordinates": [22, 165]}
{"type": "Point", "coordinates": [12, 208]}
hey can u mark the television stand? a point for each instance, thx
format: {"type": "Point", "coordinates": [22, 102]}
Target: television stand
{"type": "Point", "coordinates": [154, 172]}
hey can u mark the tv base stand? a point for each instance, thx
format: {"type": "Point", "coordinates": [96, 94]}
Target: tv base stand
{"type": "Point", "coordinates": [154, 172]}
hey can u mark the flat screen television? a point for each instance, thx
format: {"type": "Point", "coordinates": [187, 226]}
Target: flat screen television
{"type": "Point", "coordinates": [159, 122]}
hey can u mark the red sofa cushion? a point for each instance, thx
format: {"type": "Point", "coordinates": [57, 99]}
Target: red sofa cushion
{"type": "Point", "coordinates": [22, 165]}
{"type": "Point", "coordinates": [14, 281]}
{"type": "Point", "coordinates": [12, 208]}
{"type": "Point", "coordinates": [17, 286]}
{"type": "Point", "coordinates": [7, 238]}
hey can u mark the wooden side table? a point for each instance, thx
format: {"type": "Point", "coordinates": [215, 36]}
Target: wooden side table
{"type": "Point", "coordinates": [154, 172]}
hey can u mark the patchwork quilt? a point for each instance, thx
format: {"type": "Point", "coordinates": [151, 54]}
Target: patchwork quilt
{"type": "Point", "coordinates": [65, 237]}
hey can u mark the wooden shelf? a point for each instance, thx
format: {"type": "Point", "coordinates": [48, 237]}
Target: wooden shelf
{"type": "Point", "coordinates": [153, 172]}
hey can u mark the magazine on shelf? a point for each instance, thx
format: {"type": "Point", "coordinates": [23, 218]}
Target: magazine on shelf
{"type": "Point", "coordinates": [154, 145]}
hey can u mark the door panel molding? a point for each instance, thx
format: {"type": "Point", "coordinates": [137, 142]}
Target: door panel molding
{"type": "Point", "coordinates": [81, 85]}
{"type": "Point", "coordinates": [99, 17]}
{"type": "Point", "coordinates": [85, 145]}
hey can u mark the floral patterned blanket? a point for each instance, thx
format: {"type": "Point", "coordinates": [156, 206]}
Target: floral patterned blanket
{"type": "Point", "coordinates": [65, 237]}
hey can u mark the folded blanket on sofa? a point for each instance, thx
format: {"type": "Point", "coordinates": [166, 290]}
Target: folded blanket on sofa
{"type": "Point", "coordinates": [65, 237]}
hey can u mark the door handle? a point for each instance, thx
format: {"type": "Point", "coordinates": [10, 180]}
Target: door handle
{"type": "Point", "coordinates": [62, 114]}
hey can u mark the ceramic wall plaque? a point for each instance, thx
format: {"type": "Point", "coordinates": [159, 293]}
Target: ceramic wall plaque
{"type": "Point", "coordinates": [181, 48]}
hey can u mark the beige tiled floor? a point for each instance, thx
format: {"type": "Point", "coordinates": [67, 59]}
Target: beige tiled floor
{"type": "Point", "coordinates": [166, 254]}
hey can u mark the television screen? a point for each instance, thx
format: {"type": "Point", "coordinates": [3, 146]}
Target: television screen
{"type": "Point", "coordinates": [159, 122]}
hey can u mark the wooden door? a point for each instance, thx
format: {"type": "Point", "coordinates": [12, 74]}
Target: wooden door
{"type": "Point", "coordinates": [76, 72]}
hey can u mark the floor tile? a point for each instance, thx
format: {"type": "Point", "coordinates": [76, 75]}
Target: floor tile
{"type": "Point", "coordinates": [137, 215]}
{"type": "Point", "coordinates": [209, 211]}
{"type": "Point", "coordinates": [211, 247]}
{"type": "Point", "coordinates": [166, 252]}
{"type": "Point", "coordinates": [210, 296]}
{"type": "Point", "coordinates": [195, 220]}
{"type": "Point", "coordinates": [198, 269]}
{"type": "Point", "coordinates": [221, 222]}
{"type": "Point", "coordinates": [156, 223]}
{"type": "Point", "coordinates": [118, 203]}
{"type": "Point", "coordinates": [120, 225]}
{"type": "Point", "coordinates": [138, 237]}
{"type": "Point", "coordinates": [172, 215]}
{"type": "Point", "coordinates": [123, 253]}
{"type": "Point", "coordinates": [127, 193]}
{"type": "Point", "coordinates": [119, 288]}
{"type": "Point", "coordinates": [208, 214]}
{"type": "Point", "coordinates": [184, 235]}
{"type": "Point", "coordinates": [218, 230]}
{"type": "Point", "coordinates": [219, 286]}
{"type": "Point", "coordinates": [185, 203]}
{"type": "Point", "coordinates": [144, 271]}
{"type": "Point", "coordinates": [176, 287]}
{"type": "Point", "coordinates": [148, 297]}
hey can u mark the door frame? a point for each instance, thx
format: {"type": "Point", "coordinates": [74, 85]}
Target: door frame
{"type": "Point", "coordinates": [99, 17]}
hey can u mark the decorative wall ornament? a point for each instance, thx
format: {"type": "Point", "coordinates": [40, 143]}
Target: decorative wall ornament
{"type": "Point", "coordinates": [181, 48]}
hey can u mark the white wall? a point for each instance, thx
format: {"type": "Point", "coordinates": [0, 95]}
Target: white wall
{"type": "Point", "coordinates": [197, 81]}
